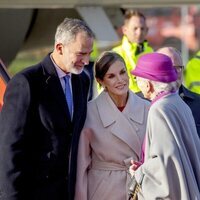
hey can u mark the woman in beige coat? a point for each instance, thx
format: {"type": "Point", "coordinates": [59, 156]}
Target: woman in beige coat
{"type": "Point", "coordinates": [113, 134]}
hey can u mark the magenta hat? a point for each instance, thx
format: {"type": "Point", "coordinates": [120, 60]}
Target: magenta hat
{"type": "Point", "coordinates": [156, 67]}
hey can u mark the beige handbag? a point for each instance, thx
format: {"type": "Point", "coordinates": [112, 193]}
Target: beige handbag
{"type": "Point", "coordinates": [134, 188]}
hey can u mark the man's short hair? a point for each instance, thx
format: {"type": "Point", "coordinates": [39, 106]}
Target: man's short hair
{"type": "Point", "coordinates": [69, 28]}
{"type": "Point", "coordinates": [130, 13]}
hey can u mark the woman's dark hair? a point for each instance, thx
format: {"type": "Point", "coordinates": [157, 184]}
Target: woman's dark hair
{"type": "Point", "coordinates": [104, 61]}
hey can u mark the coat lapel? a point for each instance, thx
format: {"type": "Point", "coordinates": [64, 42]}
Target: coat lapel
{"type": "Point", "coordinates": [124, 125]}
{"type": "Point", "coordinates": [53, 87]}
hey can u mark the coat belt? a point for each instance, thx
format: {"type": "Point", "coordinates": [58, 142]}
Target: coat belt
{"type": "Point", "coordinates": [109, 166]}
{"type": "Point", "coordinates": [102, 165]}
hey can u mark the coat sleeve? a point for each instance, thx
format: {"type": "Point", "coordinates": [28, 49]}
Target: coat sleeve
{"type": "Point", "coordinates": [83, 163]}
{"type": "Point", "coordinates": [13, 118]}
{"type": "Point", "coordinates": [162, 166]}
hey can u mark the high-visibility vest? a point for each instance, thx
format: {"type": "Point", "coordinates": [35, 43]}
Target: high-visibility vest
{"type": "Point", "coordinates": [129, 53]}
{"type": "Point", "coordinates": [192, 74]}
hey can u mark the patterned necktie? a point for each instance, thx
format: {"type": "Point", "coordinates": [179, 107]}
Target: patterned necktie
{"type": "Point", "coordinates": [68, 93]}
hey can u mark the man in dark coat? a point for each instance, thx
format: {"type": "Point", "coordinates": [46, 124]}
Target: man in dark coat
{"type": "Point", "coordinates": [38, 134]}
{"type": "Point", "coordinates": [190, 98]}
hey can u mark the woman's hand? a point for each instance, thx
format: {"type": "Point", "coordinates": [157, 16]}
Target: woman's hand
{"type": "Point", "coordinates": [134, 166]}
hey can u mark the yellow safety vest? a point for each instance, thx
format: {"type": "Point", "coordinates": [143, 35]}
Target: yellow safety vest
{"type": "Point", "coordinates": [128, 51]}
{"type": "Point", "coordinates": [192, 74]}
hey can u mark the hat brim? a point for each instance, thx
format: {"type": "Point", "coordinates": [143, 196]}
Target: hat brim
{"type": "Point", "coordinates": [165, 78]}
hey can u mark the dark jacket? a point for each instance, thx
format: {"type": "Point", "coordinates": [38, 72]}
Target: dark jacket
{"type": "Point", "coordinates": [38, 141]}
{"type": "Point", "coordinates": [193, 101]}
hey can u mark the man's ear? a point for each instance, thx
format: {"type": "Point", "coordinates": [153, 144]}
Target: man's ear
{"type": "Point", "coordinates": [59, 48]}
{"type": "Point", "coordinates": [147, 30]}
{"type": "Point", "coordinates": [124, 29]}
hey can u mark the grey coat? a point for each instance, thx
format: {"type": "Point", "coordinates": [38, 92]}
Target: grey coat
{"type": "Point", "coordinates": [172, 161]}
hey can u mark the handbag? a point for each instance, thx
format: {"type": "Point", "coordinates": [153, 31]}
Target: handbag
{"type": "Point", "coordinates": [133, 189]}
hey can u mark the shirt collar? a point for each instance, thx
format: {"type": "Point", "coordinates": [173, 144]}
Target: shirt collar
{"type": "Point", "coordinates": [131, 46]}
{"type": "Point", "coordinates": [60, 72]}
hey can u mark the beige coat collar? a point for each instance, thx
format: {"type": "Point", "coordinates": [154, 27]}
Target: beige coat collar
{"type": "Point", "coordinates": [125, 124]}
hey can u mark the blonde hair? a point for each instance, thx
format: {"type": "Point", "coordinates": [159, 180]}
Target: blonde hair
{"type": "Point", "coordinates": [130, 13]}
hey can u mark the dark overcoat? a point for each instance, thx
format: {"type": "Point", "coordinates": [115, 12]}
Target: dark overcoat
{"type": "Point", "coordinates": [193, 101]}
{"type": "Point", "coordinates": [38, 140]}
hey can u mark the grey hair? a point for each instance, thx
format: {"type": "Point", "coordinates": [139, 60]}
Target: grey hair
{"type": "Point", "coordinates": [69, 28]}
{"type": "Point", "coordinates": [167, 87]}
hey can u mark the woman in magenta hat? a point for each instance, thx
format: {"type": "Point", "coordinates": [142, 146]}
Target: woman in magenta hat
{"type": "Point", "coordinates": [171, 165]}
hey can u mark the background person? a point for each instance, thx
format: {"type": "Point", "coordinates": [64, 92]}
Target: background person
{"type": "Point", "coordinates": [112, 135]}
{"type": "Point", "coordinates": [171, 153]}
{"type": "Point", "coordinates": [39, 127]}
{"type": "Point", "coordinates": [192, 74]}
{"type": "Point", "coordinates": [133, 43]}
{"type": "Point", "coordinates": [190, 98]}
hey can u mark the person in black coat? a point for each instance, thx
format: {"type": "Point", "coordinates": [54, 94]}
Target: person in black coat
{"type": "Point", "coordinates": [190, 98]}
{"type": "Point", "coordinates": [38, 135]}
